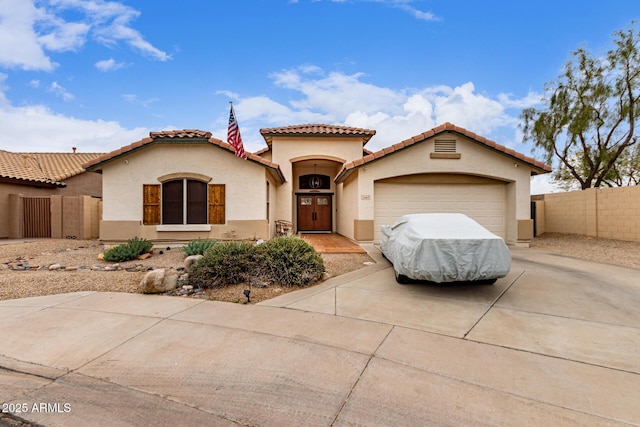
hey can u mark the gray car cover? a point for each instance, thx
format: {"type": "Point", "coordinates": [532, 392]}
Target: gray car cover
{"type": "Point", "coordinates": [444, 247]}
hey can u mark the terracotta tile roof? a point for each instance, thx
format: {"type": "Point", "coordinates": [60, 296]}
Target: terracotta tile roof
{"type": "Point", "coordinates": [43, 168]}
{"type": "Point", "coordinates": [262, 151]}
{"type": "Point", "coordinates": [536, 166]}
{"type": "Point", "coordinates": [318, 130]}
{"type": "Point", "coordinates": [184, 133]}
{"type": "Point", "coordinates": [178, 135]}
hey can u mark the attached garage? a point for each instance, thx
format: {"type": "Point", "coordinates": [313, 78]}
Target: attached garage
{"type": "Point", "coordinates": [482, 199]}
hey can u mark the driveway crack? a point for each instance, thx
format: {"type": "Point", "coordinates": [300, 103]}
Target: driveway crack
{"type": "Point", "coordinates": [492, 304]}
{"type": "Point", "coordinates": [357, 381]}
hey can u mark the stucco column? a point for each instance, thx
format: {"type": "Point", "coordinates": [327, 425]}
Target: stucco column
{"type": "Point", "coordinates": [15, 222]}
{"type": "Point", "coordinates": [56, 217]}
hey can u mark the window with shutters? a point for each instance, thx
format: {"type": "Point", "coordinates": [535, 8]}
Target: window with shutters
{"type": "Point", "coordinates": [182, 202]}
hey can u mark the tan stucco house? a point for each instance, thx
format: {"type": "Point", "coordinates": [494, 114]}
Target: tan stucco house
{"type": "Point", "coordinates": [183, 185]}
{"type": "Point", "coordinates": [33, 187]}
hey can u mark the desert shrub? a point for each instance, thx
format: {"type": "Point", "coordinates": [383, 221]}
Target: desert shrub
{"type": "Point", "coordinates": [225, 264]}
{"type": "Point", "coordinates": [289, 261]}
{"type": "Point", "coordinates": [197, 247]}
{"type": "Point", "coordinates": [128, 251]}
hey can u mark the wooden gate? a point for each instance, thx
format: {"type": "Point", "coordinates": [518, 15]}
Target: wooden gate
{"type": "Point", "coordinates": [36, 216]}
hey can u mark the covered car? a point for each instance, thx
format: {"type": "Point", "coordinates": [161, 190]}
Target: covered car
{"type": "Point", "coordinates": [444, 247]}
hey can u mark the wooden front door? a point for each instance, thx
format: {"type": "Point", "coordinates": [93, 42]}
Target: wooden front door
{"type": "Point", "coordinates": [314, 212]}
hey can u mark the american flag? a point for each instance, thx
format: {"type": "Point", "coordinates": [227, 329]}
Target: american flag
{"type": "Point", "coordinates": [233, 135]}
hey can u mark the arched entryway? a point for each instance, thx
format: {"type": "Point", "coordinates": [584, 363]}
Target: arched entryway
{"type": "Point", "coordinates": [314, 195]}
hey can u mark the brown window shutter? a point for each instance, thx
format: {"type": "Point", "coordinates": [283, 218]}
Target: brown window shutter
{"type": "Point", "coordinates": [216, 204]}
{"type": "Point", "coordinates": [151, 204]}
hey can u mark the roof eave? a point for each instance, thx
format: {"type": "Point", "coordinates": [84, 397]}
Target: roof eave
{"type": "Point", "coordinates": [32, 182]}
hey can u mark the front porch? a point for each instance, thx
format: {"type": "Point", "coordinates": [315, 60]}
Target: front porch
{"type": "Point", "coordinates": [332, 243]}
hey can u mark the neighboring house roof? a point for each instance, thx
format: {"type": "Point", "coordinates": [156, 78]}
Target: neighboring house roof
{"type": "Point", "coordinates": [178, 136]}
{"type": "Point", "coordinates": [537, 167]}
{"type": "Point", "coordinates": [46, 169]}
{"type": "Point", "coordinates": [316, 130]}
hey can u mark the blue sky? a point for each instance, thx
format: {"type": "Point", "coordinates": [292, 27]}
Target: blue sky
{"type": "Point", "coordinates": [99, 75]}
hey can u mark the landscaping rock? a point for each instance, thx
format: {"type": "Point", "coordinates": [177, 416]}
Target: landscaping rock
{"type": "Point", "coordinates": [55, 267]}
{"type": "Point", "coordinates": [158, 281]}
{"type": "Point", "coordinates": [190, 261]}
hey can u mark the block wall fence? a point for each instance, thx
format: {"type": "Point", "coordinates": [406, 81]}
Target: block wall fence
{"type": "Point", "coordinates": [610, 213]}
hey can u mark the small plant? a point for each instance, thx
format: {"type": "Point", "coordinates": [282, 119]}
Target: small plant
{"type": "Point", "coordinates": [140, 246]}
{"type": "Point", "coordinates": [225, 264]}
{"type": "Point", "coordinates": [128, 251]}
{"type": "Point", "coordinates": [289, 261]}
{"type": "Point", "coordinates": [197, 247]}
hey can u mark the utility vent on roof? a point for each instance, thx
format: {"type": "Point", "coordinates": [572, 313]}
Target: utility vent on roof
{"type": "Point", "coordinates": [445, 146]}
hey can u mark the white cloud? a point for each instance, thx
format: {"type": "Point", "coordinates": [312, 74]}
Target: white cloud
{"type": "Point", "coordinates": [19, 45]}
{"type": "Point", "coordinates": [109, 65]}
{"type": "Point", "coordinates": [462, 106]}
{"type": "Point", "coordinates": [38, 128]}
{"type": "Point", "coordinates": [28, 32]}
{"type": "Point", "coordinates": [404, 5]}
{"type": "Point", "coordinates": [133, 99]}
{"type": "Point", "coordinates": [395, 113]}
{"type": "Point", "coordinates": [41, 129]}
{"type": "Point", "coordinates": [337, 94]}
{"type": "Point", "coordinates": [64, 36]}
{"type": "Point", "coordinates": [542, 184]}
{"type": "Point", "coordinates": [532, 99]}
{"type": "Point", "coordinates": [61, 92]}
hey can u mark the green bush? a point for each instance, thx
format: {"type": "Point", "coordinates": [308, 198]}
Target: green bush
{"type": "Point", "coordinates": [224, 264]}
{"type": "Point", "coordinates": [197, 247]}
{"type": "Point", "coordinates": [289, 261]}
{"type": "Point", "coordinates": [128, 251]}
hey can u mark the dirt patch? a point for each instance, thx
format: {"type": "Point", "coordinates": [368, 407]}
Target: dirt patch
{"type": "Point", "coordinates": [81, 270]}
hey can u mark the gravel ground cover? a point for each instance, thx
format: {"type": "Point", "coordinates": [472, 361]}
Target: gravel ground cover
{"type": "Point", "coordinates": [617, 252]}
{"type": "Point", "coordinates": [25, 270]}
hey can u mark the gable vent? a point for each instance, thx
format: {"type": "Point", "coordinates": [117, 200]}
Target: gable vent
{"type": "Point", "coordinates": [446, 146]}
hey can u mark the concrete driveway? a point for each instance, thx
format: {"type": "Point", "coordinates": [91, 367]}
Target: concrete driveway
{"type": "Point", "coordinates": [556, 342]}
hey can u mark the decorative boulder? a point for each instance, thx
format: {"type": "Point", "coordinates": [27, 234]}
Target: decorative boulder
{"type": "Point", "coordinates": [190, 261]}
{"type": "Point", "coordinates": [158, 281]}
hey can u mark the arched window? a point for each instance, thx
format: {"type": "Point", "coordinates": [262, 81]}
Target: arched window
{"type": "Point", "coordinates": [184, 201]}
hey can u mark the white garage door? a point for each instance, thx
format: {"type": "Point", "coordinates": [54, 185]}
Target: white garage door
{"type": "Point", "coordinates": [485, 203]}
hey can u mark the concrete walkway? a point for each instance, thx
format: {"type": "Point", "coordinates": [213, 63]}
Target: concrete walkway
{"type": "Point", "coordinates": [556, 342]}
